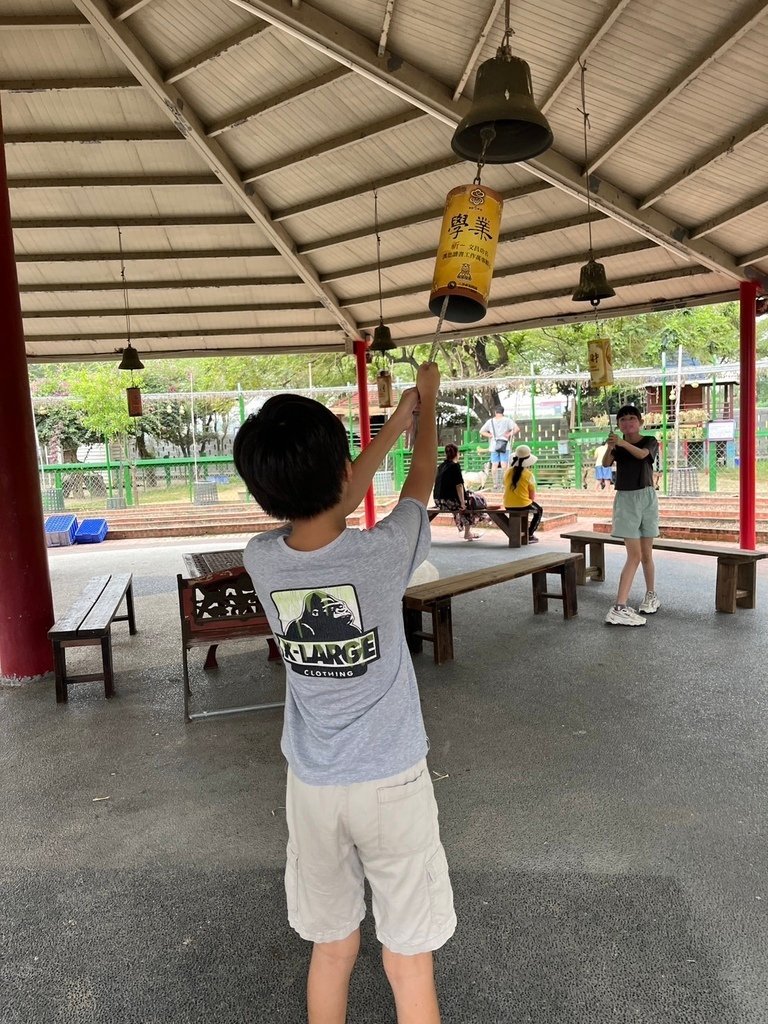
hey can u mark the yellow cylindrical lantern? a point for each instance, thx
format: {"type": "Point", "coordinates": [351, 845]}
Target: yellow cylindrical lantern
{"type": "Point", "coordinates": [600, 362]}
{"type": "Point", "coordinates": [465, 254]}
{"type": "Point", "coordinates": [134, 401]}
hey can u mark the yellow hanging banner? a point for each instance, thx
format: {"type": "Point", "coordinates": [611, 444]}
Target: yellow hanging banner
{"type": "Point", "coordinates": [600, 362]}
{"type": "Point", "coordinates": [466, 252]}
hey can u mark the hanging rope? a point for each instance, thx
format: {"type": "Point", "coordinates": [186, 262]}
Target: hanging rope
{"type": "Point", "coordinates": [125, 286]}
{"type": "Point", "coordinates": [585, 115]}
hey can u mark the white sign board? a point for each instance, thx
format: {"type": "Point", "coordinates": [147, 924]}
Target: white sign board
{"type": "Point", "coordinates": [721, 430]}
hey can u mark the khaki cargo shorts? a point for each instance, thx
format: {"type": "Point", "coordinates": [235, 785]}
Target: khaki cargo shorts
{"type": "Point", "coordinates": [386, 831]}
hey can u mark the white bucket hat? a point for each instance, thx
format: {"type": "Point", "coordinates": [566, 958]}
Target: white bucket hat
{"type": "Point", "coordinates": [526, 456]}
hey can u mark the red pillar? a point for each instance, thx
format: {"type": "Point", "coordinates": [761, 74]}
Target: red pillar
{"type": "Point", "coordinates": [365, 422]}
{"type": "Point", "coordinates": [26, 607]}
{"type": "Point", "coordinates": [747, 414]}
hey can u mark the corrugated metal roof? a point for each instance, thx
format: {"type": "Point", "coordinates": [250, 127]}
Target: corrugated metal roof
{"type": "Point", "coordinates": [237, 144]}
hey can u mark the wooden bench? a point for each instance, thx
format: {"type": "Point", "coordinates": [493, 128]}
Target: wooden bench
{"type": "Point", "coordinates": [220, 606]}
{"type": "Point", "coordinates": [89, 622]}
{"type": "Point", "coordinates": [736, 568]}
{"type": "Point", "coordinates": [435, 597]}
{"type": "Point", "coordinates": [513, 523]}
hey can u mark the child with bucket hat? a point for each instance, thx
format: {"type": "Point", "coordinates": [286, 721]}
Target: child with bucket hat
{"type": "Point", "coordinates": [520, 487]}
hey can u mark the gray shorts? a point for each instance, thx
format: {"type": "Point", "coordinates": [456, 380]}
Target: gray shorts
{"type": "Point", "coordinates": [636, 513]}
{"type": "Point", "coordinates": [386, 831]}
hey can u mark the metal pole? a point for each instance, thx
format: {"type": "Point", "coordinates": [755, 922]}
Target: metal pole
{"type": "Point", "coordinates": [533, 403]}
{"type": "Point", "coordinates": [747, 415]}
{"type": "Point", "coordinates": [241, 404]}
{"type": "Point", "coordinates": [109, 467]}
{"type": "Point", "coordinates": [678, 389]}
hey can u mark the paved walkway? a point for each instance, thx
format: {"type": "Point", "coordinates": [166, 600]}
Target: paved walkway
{"type": "Point", "coordinates": [602, 792]}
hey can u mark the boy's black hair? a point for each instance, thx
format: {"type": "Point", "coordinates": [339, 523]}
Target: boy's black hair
{"type": "Point", "coordinates": [628, 410]}
{"type": "Point", "coordinates": [293, 456]}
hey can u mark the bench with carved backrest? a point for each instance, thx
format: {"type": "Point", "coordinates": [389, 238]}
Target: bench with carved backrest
{"type": "Point", "coordinates": [217, 607]}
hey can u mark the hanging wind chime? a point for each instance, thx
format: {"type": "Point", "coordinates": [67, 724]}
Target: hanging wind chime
{"type": "Point", "coordinates": [130, 360]}
{"type": "Point", "coordinates": [382, 336]}
{"type": "Point", "coordinates": [593, 285]}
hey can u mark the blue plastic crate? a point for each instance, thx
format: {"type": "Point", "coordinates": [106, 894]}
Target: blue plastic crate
{"type": "Point", "coordinates": [60, 531]}
{"type": "Point", "coordinates": [91, 531]}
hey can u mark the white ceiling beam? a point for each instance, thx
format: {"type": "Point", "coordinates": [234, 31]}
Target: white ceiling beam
{"type": "Point", "coordinates": [91, 139]}
{"type": "Point", "coordinates": [253, 110]}
{"type": "Point", "coordinates": [130, 8]}
{"type": "Point", "coordinates": [740, 210]}
{"type": "Point", "coordinates": [511, 195]}
{"type": "Point", "coordinates": [724, 147]}
{"type": "Point", "coordinates": [159, 221]}
{"type": "Point", "coordinates": [719, 46]}
{"type": "Point", "coordinates": [184, 352]}
{"type": "Point", "coordinates": [385, 27]}
{"type": "Point", "coordinates": [186, 310]}
{"type": "Point", "coordinates": [753, 257]}
{"type": "Point", "coordinates": [13, 85]}
{"type": "Point", "coordinates": [124, 181]}
{"type": "Point", "coordinates": [403, 79]}
{"type": "Point", "coordinates": [54, 288]}
{"type": "Point", "coordinates": [39, 22]}
{"type": "Point", "coordinates": [206, 332]}
{"type": "Point", "coordinates": [219, 49]}
{"type": "Point", "coordinates": [334, 145]}
{"type": "Point", "coordinates": [535, 267]}
{"type": "Point", "coordinates": [143, 256]}
{"type": "Point", "coordinates": [553, 293]}
{"type": "Point", "coordinates": [577, 317]}
{"type": "Point", "coordinates": [364, 187]}
{"type": "Point", "coordinates": [183, 116]}
{"type": "Point", "coordinates": [605, 24]}
{"type": "Point", "coordinates": [535, 230]}
{"type": "Point", "coordinates": [477, 48]}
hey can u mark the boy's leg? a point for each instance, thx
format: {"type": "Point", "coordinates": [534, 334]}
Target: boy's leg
{"type": "Point", "coordinates": [328, 979]}
{"type": "Point", "coordinates": [412, 979]}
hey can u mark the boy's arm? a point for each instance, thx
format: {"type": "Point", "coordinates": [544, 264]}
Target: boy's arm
{"type": "Point", "coordinates": [608, 456]}
{"type": "Point", "coordinates": [370, 458]}
{"type": "Point", "coordinates": [421, 476]}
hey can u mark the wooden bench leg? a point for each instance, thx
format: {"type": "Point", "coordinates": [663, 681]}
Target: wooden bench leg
{"type": "Point", "coordinates": [60, 666]}
{"type": "Point", "coordinates": [442, 631]}
{"type": "Point", "coordinates": [413, 623]}
{"type": "Point", "coordinates": [570, 599]}
{"type": "Point", "coordinates": [540, 602]}
{"type": "Point", "coordinates": [274, 653]}
{"type": "Point", "coordinates": [129, 605]}
{"type": "Point", "coordinates": [210, 659]}
{"type": "Point", "coordinates": [746, 584]}
{"type": "Point", "coordinates": [106, 659]}
{"type": "Point", "coordinates": [597, 561]}
{"type": "Point", "coordinates": [727, 589]}
{"type": "Point", "coordinates": [579, 547]}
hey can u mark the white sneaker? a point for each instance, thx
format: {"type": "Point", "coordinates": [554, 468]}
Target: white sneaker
{"type": "Point", "coordinates": [650, 604]}
{"type": "Point", "coordinates": [625, 616]}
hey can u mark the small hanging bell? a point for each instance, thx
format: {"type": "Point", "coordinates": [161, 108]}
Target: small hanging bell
{"type": "Point", "coordinates": [382, 339]}
{"type": "Point", "coordinates": [593, 284]}
{"type": "Point", "coordinates": [503, 101]}
{"type": "Point", "coordinates": [130, 360]}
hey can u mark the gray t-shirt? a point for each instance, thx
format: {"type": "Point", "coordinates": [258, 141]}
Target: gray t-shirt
{"type": "Point", "coordinates": [352, 710]}
{"type": "Point", "coordinates": [498, 429]}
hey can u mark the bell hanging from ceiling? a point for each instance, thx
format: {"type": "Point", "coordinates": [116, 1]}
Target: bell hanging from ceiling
{"type": "Point", "coordinates": [504, 102]}
{"type": "Point", "coordinates": [593, 284]}
{"type": "Point", "coordinates": [130, 360]}
{"type": "Point", "coordinates": [382, 339]}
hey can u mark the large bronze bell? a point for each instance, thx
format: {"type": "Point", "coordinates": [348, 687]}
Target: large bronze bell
{"type": "Point", "coordinates": [130, 360]}
{"type": "Point", "coordinates": [503, 101]}
{"type": "Point", "coordinates": [382, 339]}
{"type": "Point", "coordinates": [593, 284]}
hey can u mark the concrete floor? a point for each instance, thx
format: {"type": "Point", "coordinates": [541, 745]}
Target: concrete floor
{"type": "Point", "coordinates": [602, 793]}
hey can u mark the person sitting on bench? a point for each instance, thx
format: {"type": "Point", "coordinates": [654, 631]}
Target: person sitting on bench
{"type": "Point", "coordinates": [520, 488]}
{"type": "Point", "coordinates": [450, 496]}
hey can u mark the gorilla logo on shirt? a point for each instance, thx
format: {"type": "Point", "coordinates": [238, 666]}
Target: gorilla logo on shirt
{"type": "Point", "coordinates": [324, 617]}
